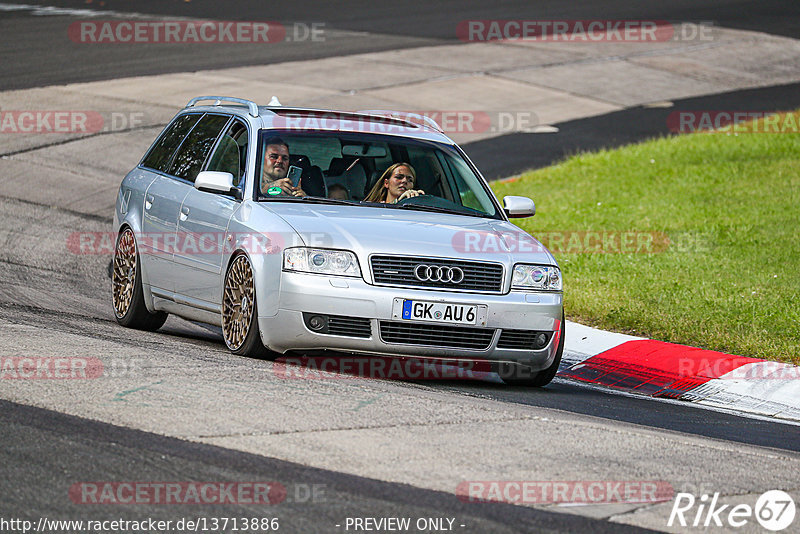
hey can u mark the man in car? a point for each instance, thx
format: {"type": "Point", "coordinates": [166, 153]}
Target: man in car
{"type": "Point", "coordinates": [275, 168]}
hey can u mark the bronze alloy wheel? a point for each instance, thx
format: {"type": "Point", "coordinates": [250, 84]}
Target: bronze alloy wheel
{"type": "Point", "coordinates": [124, 274]}
{"type": "Point", "coordinates": [238, 303]}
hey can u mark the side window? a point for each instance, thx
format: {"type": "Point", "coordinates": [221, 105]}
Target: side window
{"type": "Point", "coordinates": [159, 156]}
{"type": "Point", "coordinates": [231, 152]}
{"type": "Point", "coordinates": [192, 154]}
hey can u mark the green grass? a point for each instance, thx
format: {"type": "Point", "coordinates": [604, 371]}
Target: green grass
{"type": "Point", "coordinates": [729, 277]}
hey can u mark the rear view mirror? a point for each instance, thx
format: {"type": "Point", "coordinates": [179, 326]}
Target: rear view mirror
{"type": "Point", "coordinates": [518, 206]}
{"type": "Point", "coordinates": [364, 151]}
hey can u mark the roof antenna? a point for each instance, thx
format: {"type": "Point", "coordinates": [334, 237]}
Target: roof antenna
{"type": "Point", "coordinates": [274, 101]}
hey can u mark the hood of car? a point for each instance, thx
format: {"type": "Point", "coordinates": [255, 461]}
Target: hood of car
{"type": "Point", "coordinates": [370, 230]}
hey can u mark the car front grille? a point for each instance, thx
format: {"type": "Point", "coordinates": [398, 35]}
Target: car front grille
{"type": "Point", "coordinates": [399, 271]}
{"type": "Point", "coordinates": [456, 337]}
{"type": "Point", "coordinates": [340, 325]}
{"type": "Point", "coordinates": [521, 339]}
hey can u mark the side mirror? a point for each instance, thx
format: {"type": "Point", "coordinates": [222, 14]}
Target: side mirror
{"type": "Point", "coordinates": [518, 207]}
{"type": "Point", "coordinates": [217, 182]}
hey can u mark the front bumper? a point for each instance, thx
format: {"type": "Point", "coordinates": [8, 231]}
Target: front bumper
{"type": "Point", "coordinates": [353, 297]}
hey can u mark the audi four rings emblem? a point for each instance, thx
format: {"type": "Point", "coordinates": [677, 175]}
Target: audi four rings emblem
{"type": "Point", "coordinates": [439, 273]}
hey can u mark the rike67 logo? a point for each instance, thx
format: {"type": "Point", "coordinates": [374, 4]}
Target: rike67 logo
{"type": "Point", "coordinates": [774, 510]}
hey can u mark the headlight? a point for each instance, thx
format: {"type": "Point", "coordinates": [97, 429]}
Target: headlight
{"type": "Point", "coordinates": [545, 277]}
{"type": "Point", "coordinates": [321, 261]}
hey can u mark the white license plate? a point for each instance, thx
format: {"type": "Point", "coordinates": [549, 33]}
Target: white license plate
{"type": "Point", "coordinates": [439, 312]}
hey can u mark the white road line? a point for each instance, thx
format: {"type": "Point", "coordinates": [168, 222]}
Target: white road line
{"type": "Point", "coordinates": [44, 11]}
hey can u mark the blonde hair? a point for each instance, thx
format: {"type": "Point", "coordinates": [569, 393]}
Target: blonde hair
{"type": "Point", "coordinates": [378, 193]}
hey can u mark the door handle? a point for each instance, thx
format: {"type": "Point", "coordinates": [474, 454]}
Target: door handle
{"type": "Point", "coordinates": [184, 213]}
{"type": "Point", "coordinates": [148, 201]}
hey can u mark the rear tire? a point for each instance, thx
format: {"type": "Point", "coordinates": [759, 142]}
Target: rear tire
{"type": "Point", "coordinates": [545, 376]}
{"type": "Point", "coordinates": [126, 281]}
{"type": "Point", "coordinates": [240, 312]}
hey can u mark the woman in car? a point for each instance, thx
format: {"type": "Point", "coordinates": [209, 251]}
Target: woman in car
{"type": "Point", "coordinates": [396, 183]}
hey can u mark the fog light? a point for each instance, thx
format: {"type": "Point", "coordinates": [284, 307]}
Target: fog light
{"type": "Point", "coordinates": [540, 341]}
{"type": "Point", "coordinates": [316, 322]}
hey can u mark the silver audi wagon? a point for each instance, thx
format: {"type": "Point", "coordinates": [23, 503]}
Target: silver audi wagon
{"type": "Point", "coordinates": [299, 230]}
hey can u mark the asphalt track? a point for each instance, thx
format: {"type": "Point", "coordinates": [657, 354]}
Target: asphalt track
{"type": "Point", "coordinates": [43, 451]}
{"type": "Point", "coordinates": [420, 18]}
{"type": "Point", "coordinates": [36, 51]}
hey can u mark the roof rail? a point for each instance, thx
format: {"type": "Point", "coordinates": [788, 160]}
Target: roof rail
{"type": "Point", "coordinates": [407, 116]}
{"type": "Point", "coordinates": [219, 99]}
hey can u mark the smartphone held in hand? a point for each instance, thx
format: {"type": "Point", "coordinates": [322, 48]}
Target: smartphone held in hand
{"type": "Point", "coordinates": [294, 175]}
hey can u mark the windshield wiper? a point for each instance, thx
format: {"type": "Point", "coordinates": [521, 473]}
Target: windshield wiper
{"type": "Point", "coordinates": [439, 209]}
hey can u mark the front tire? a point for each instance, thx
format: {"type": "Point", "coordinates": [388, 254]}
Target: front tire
{"type": "Point", "coordinates": [239, 310]}
{"type": "Point", "coordinates": [127, 293]}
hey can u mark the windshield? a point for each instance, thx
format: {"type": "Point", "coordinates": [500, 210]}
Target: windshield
{"type": "Point", "coordinates": [370, 170]}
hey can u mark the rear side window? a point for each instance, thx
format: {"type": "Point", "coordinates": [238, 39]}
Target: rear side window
{"type": "Point", "coordinates": [192, 153]}
{"type": "Point", "coordinates": [162, 151]}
